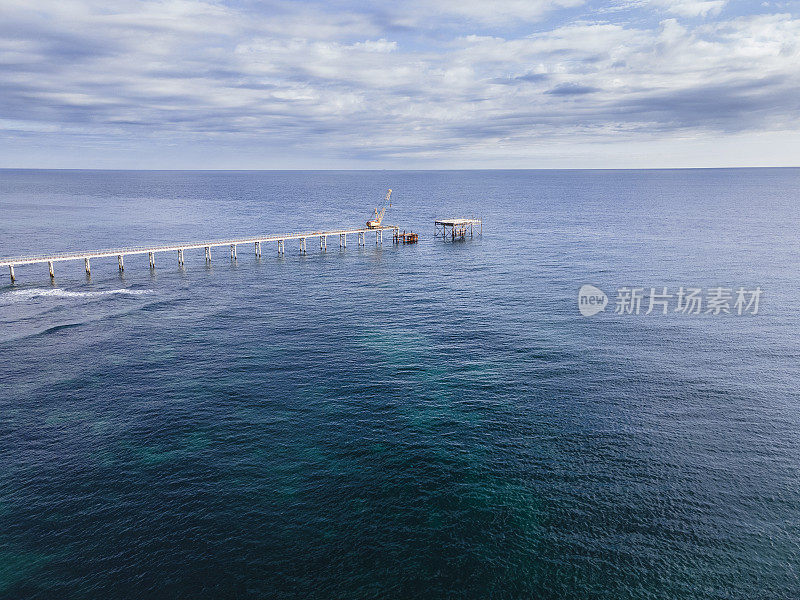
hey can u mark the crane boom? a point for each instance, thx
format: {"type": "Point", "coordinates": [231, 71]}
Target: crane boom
{"type": "Point", "coordinates": [377, 217]}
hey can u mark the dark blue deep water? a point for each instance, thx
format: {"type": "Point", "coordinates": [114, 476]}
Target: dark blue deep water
{"type": "Point", "coordinates": [426, 421]}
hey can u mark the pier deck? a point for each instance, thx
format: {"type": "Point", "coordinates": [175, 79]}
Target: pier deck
{"type": "Point", "coordinates": [458, 227]}
{"type": "Point", "coordinates": [120, 253]}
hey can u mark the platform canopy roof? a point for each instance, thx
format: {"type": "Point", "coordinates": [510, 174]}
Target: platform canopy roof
{"type": "Point", "coordinates": [456, 222]}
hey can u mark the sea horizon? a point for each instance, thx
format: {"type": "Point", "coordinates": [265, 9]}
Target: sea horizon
{"type": "Point", "coordinates": [387, 300]}
{"type": "Point", "coordinates": [404, 169]}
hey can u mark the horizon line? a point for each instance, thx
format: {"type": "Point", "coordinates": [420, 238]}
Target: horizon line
{"type": "Point", "coordinates": [109, 169]}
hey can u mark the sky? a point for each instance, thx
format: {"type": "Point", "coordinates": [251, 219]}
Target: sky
{"type": "Point", "coordinates": [421, 84]}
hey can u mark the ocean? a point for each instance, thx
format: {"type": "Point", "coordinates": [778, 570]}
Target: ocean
{"type": "Point", "coordinates": [436, 420]}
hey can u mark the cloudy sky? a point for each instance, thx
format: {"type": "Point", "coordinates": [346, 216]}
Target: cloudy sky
{"type": "Point", "coordinates": [417, 84]}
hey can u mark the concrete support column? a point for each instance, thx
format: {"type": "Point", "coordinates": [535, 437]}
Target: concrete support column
{"type": "Point", "coordinates": [152, 260]}
{"type": "Point", "coordinates": [379, 237]}
{"type": "Point", "coordinates": [302, 245]}
{"type": "Point", "coordinates": [361, 238]}
{"type": "Point", "coordinates": [280, 247]}
{"type": "Point", "coordinates": [120, 263]}
{"type": "Point", "coordinates": [323, 242]}
{"type": "Point", "coordinates": [87, 266]}
{"type": "Point", "coordinates": [180, 257]}
{"type": "Point", "coordinates": [233, 251]}
{"type": "Point", "coordinates": [208, 254]}
{"type": "Point", "coordinates": [11, 268]}
{"type": "Point", "coordinates": [52, 273]}
{"type": "Point", "coordinates": [258, 249]}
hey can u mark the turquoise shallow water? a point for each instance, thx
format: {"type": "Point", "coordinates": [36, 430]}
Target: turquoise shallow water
{"type": "Point", "coordinates": [435, 420]}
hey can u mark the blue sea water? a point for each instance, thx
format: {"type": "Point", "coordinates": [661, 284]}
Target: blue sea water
{"type": "Point", "coordinates": [433, 420]}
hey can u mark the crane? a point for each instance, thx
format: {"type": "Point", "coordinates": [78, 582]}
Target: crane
{"type": "Point", "coordinates": [377, 217]}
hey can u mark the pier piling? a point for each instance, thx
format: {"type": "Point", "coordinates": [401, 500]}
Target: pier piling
{"type": "Point", "coordinates": [459, 228]}
{"type": "Point", "coordinates": [180, 248]}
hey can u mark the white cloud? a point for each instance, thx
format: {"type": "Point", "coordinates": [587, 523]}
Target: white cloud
{"type": "Point", "coordinates": [691, 8]}
{"type": "Point", "coordinates": [497, 12]}
{"type": "Point", "coordinates": [340, 84]}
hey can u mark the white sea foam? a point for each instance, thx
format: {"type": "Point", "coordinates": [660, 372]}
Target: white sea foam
{"type": "Point", "coordinates": [34, 293]}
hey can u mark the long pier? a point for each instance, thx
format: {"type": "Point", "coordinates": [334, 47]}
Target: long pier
{"type": "Point", "coordinates": [121, 253]}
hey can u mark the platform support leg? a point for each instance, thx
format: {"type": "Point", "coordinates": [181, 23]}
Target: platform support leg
{"type": "Point", "coordinates": [11, 269]}
{"type": "Point", "coordinates": [233, 251]}
{"type": "Point", "coordinates": [302, 245]}
{"type": "Point", "coordinates": [152, 260]}
{"type": "Point", "coordinates": [258, 249]}
{"type": "Point", "coordinates": [208, 254]}
{"type": "Point", "coordinates": [87, 266]}
{"type": "Point", "coordinates": [52, 272]}
{"type": "Point", "coordinates": [180, 257]}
